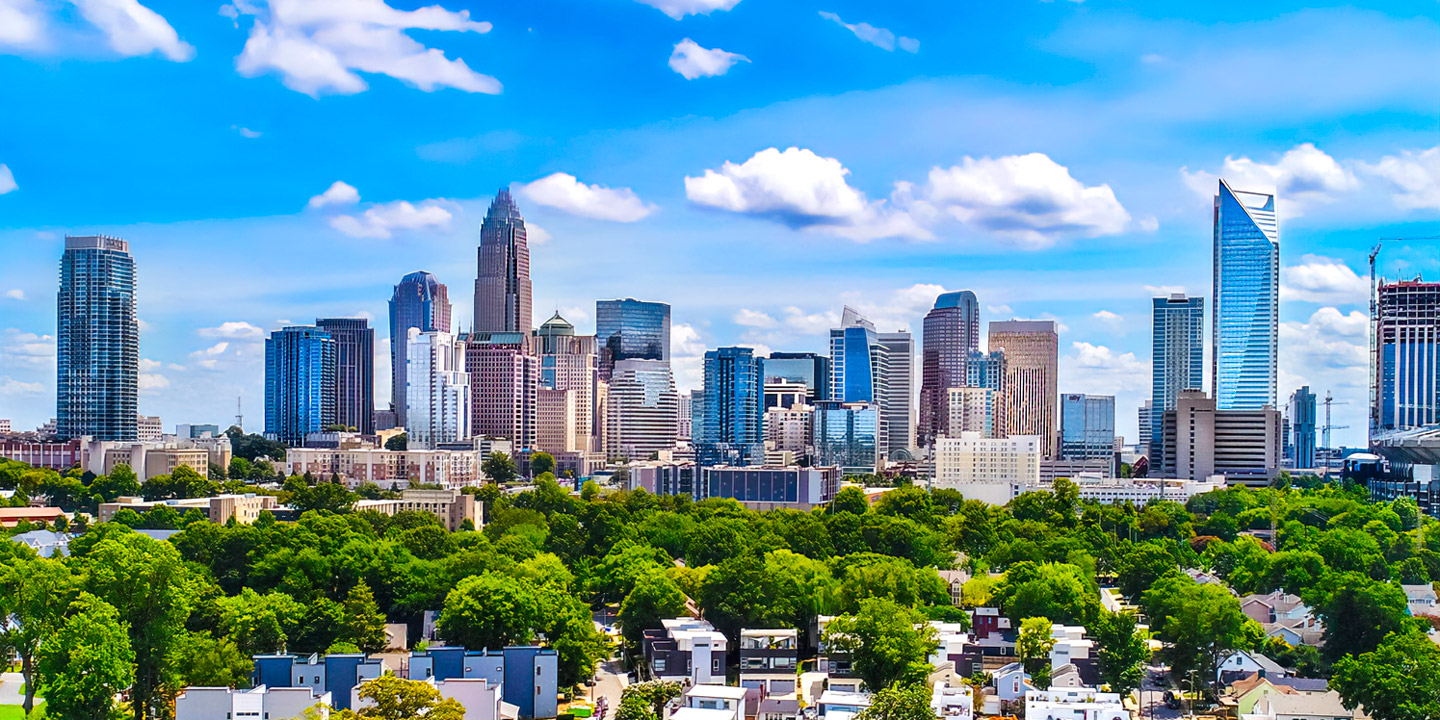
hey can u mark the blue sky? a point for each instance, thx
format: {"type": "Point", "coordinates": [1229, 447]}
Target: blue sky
{"type": "Point", "coordinates": [1055, 157]}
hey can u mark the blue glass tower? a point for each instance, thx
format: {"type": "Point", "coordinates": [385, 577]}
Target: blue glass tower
{"type": "Point", "coordinates": [1302, 428]}
{"type": "Point", "coordinates": [734, 389]}
{"type": "Point", "coordinates": [631, 329]}
{"type": "Point", "coordinates": [847, 437]}
{"type": "Point", "coordinates": [1087, 427]}
{"type": "Point", "coordinates": [1246, 331]}
{"type": "Point", "coordinates": [97, 340]}
{"type": "Point", "coordinates": [857, 361]}
{"type": "Point", "coordinates": [1177, 346]}
{"type": "Point", "coordinates": [420, 301]}
{"type": "Point", "coordinates": [300, 364]}
{"type": "Point", "coordinates": [804, 367]}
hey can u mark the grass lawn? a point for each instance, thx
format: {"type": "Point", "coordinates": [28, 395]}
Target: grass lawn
{"type": "Point", "coordinates": [15, 712]}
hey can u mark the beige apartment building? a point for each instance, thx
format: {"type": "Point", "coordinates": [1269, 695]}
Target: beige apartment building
{"type": "Point", "coordinates": [219, 509]}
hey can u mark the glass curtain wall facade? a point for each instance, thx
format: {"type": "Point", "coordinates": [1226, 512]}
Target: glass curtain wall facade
{"type": "Point", "coordinates": [1087, 427]}
{"type": "Point", "coordinates": [731, 430]}
{"type": "Point", "coordinates": [1407, 346]}
{"type": "Point", "coordinates": [804, 367]}
{"type": "Point", "coordinates": [422, 302]}
{"type": "Point", "coordinates": [97, 341]}
{"type": "Point", "coordinates": [847, 436]}
{"type": "Point", "coordinates": [951, 334]}
{"type": "Point", "coordinates": [1246, 331]}
{"type": "Point", "coordinates": [502, 279]}
{"type": "Point", "coordinates": [299, 383]}
{"type": "Point", "coordinates": [1301, 419]}
{"type": "Point", "coordinates": [354, 371]}
{"type": "Point", "coordinates": [630, 329]}
{"type": "Point", "coordinates": [1177, 347]}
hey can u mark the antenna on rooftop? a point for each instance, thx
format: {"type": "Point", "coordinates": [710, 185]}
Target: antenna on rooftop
{"type": "Point", "coordinates": [239, 416]}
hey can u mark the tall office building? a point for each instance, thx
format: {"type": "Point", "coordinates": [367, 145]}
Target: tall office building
{"type": "Point", "coordinates": [568, 379]}
{"type": "Point", "coordinates": [1246, 331]}
{"type": "Point", "coordinates": [951, 334]}
{"type": "Point", "coordinates": [438, 394]}
{"type": "Point", "coordinates": [504, 385]}
{"type": "Point", "coordinates": [642, 409]}
{"type": "Point", "coordinates": [860, 369]}
{"type": "Point", "coordinates": [847, 436]}
{"type": "Point", "coordinates": [899, 403]}
{"type": "Point", "coordinates": [1202, 441]}
{"type": "Point", "coordinates": [1146, 416]}
{"type": "Point", "coordinates": [502, 280]}
{"type": "Point", "coordinates": [422, 302]}
{"type": "Point", "coordinates": [809, 368]}
{"type": "Point", "coordinates": [630, 329]}
{"type": "Point", "coordinates": [1301, 417]}
{"type": "Point", "coordinates": [1177, 347]}
{"type": "Point", "coordinates": [1032, 359]}
{"type": "Point", "coordinates": [354, 371]}
{"type": "Point", "coordinates": [1407, 356]}
{"type": "Point", "coordinates": [299, 383]}
{"type": "Point", "coordinates": [731, 432]}
{"type": "Point", "coordinates": [1087, 427]}
{"type": "Point", "coordinates": [97, 340]}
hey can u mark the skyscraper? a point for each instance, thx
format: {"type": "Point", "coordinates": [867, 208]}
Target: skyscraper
{"type": "Point", "coordinates": [1301, 418]}
{"type": "Point", "coordinates": [951, 333]}
{"type": "Point", "coordinates": [1246, 331]}
{"type": "Point", "coordinates": [847, 435]}
{"type": "Point", "coordinates": [438, 396]}
{"type": "Point", "coordinates": [642, 409]}
{"type": "Point", "coordinates": [860, 369]}
{"type": "Point", "coordinates": [806, 367]}
{"type": "Point", "coordinates": [731, 432]}
{"type": "Point", "coordinates": [630, 329]}
{"type": "Point", "coordinates": [420, 301]}
{"type": "Point", "coordinates": [568, 378]}
{"type": "Point", "coordinates": [502, 282]}
{"type": "Point", "coordinates": [1087, 427]}
{"type": "Point", "coordinates": [504, 381]}
{"type": "Point", "coordinates": [299, 383]}
{"type": "Point", "coordinates": [97, 340]}
{"type": "Point", "coordinates": [1032, 359]}
{"type": "Point", "coordinates": [1407, 356]}
{"type": "Point", "coordinates": [354, 371]}
{"type": "Point", "coordinates": [898, 406]}
{"type": "Point", "coordinates": [1177, 347]}
{"type": "Point", "coordinates": [1145, 417]}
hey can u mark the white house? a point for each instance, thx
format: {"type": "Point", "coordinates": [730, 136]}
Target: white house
{"type": "Point", "coordinates": [1421, 599]}
{"type": "Point", "coordinates": [1074, 704]}
{"type": "Point", "coordinates": [1301, 706]}
{"type": "Point", "coordinates": [223, 703]}
{"type": "Point", "coordinates": [726, 698]}
{"type": "Point", "coordinates": [836, 705]}
{"type": "Point", "coordinates": [1241, 663]}
{"type": "Point", "coordinates": [953, 702]}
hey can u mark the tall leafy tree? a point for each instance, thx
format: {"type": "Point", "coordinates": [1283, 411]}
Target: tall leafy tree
{"type": "Point", "coordinates": [87, 662]}
{"type": "Point", "coordinates": [1202, 624]}
{"type": "Point", "coordinates": [489, 611]}
{"type": "Point", "coordinates": [1121, 650]}
{"type": "Point", "coordinates": [1400, 680]}
{"type": "Point", "coordinates": [887, 643]}
{"type": "Point", "coordinates": [1358, 613]}
{"type": "Point", "coordinates": [900, 702]}
{"type": "Point", "coordinates": [654, 598]}
{"type": "Point", "coordinates": [390, 698]}
{"type": "Point", "coordinates": [34, 592]}
{"type": "Point", "coordinates": [364, 623]}
{"type": "Point", "coordinates": [1033, 646]}
{"type": "Point", "coordinates": [499, 468]}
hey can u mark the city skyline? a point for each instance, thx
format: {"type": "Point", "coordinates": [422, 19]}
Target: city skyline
{"type": "Point", "coordinates": [223, 269]}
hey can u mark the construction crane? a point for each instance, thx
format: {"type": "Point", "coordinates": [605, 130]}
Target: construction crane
{"type": "Point", "coordinates": [1330, 400]}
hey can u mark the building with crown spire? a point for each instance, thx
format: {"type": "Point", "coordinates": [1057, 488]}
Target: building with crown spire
{"type": "Point", "coordinates": [502, 281]}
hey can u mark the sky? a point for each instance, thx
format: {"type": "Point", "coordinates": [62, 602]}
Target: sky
{"type": "Point", "coordinates": [757, 164]}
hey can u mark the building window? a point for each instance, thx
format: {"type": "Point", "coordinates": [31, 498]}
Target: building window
{"type": "Point", "coordinates": [715, 665]}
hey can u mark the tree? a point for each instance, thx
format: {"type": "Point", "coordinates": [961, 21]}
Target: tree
{"type": "Point", "coordinates": [500, 468]}
{"type": "Point", "coordinates": [1062, 592]}
{"type": "Point", "coordinates": [850, 500]}
{"type": "Point", "coordinates": [1400, 680]}
{"type": "Point", "coordinates": [1033, 646]}
{"type": "Point", "coordinates": [489, 611]}
{"type": "Point", "coordinates": [1358, 613]}
{"type": "Point", "coordinates": [646, 700]}
{"type": "Point", "coordinates": [1201, 622]}
{"type": "Point", "coordinates": [541, 463]}
{"type": "Point", "coordinates": [887, 643]}
{"type": "Point", "coordinates": [900, 702]}
{"type": "Point", "coordinates": [206, 661]}
{"type": "Point", "coordinates": [87, 662]}
{"type": "Point", "coordinates": [326, 496]}
{"type": "Point", "coordinates": [35, 592]}
{"type": "Point", "coordinates": [654, 598]}
{"type": "Point", "coordinates": [1121, 650]}
{"type": "Point", "coordinates": [398, 443]}
{"type": "Point", "coordinates": [394, 699]}
{"type": "Point", "coordinates": [364, 623]}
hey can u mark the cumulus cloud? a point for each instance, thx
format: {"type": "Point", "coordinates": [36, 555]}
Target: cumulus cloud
{"type": "Point", "coordinates": [11, 386]}
{"type": "Point", "coordinates": [133, 29]}
{"type": "Point", "coordinates": [339, 193]}
{"type": "Point", "coordinates": [1323, 280]}
{"type": "Point", "coordinates": [680, 8]}
{"type": "Point", "coordinates": [1111, 320]}
{"type": "Point", "coordinates": [320, 47]}
{"type": "Point", "coordinates": [1101, 370]}
{"type": "Point", "coordinates": [7, 178]}
{"type": "Point", "coordinates": [687, 356]}
{"type": "Point", "coordinates": [208, 357]}
{"type": "Point", "coordinates": [802, 190]}
{"type": "Point", "coordinates": [1030, 198]}
{"type": "Point", "coordinates": [693, 61]}
{"type": "Point", "coordinates": [382, 220]}
{"type": "Point", "coordinates": [233, 330]}
{"type": "Point", "coordinates": [877, 36]}
{"type": "Point", "coordinates": [754, 318]}
{"type": "Point", "coordinates": [536, 235]}
{"type": "Point", "coordinates": [22, 24]}
{"type": "Point", "coordinates": [1414, 177]}
{"type": "Point", "coordinates": [152, 382]}
{"type": "Point", "coordinates": [15, 294]}
{"type": "Point", "coordinates": [563, 191]}
{"type": "Point", "coordinates": [1304, 176]}
{"type": "Point", "coordinates": [1329, 340]}
{"type": "Point", "coordinates": [26, 348]}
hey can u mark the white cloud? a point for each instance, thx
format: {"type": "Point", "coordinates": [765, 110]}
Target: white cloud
{"type": "Point", "coordinates": [693, 61]}
{"type": "Point", "coordinates": [152, 382]}
{"type": "Point", "coordinates": [536, 235]}
{"type": "Point", "coordinates": [382, 220]}
{"type": "Point", "coordinates": [1304, 176]}
{"type": "Point", "coordinates": [1027, 197]}
{"type": "Point", "coordinates": [246, 132]}
{"type": "Point", "coordinates": [687, 356]}
{"type": "Point", "coordinates": [208, 357]}
{"type": "Point", "coordinates": [26, 348]}
{"type": "Point", "coordinates": [754, 318]}
{"type": "Point", "coordinates": [1101, 370]}
{"type": "Point", "coordinates": [318, 47]}
{"type": "Point", "coordinates": [1413, 176]}
{"type": "Point", "coordinates": [16, 294]}
{"type": "Point", "coordinates": [678, 9]}
{"type": "Point", "coordinates": [133, 29]}
{"type": "Point", "coordinates": [1000, 310]}
{"type": "Point", "coordinates": [146, 365]}
{"type": "Point", "coordinates": [1114, 321]}
{"type": "Point", "coordinates": [1323, 280]}
{"type": "Point", "coordinates": [22, 23]}
{"type": "Point", "coordinates": [7, 178]}
{"type": "Point", "coordinates": [802, 190]}
{"type": "Point", "coordinates": [233, 330]}
{"type": "Point", "coordinates": [9, 385]}
{"type": "Point", "coordinates": [339, 193]}
{"type": "Point", "coordinates": [563, 192]}
{"type": "Point", "coordinates": [877, 36]}
{"type": "Point", "coordinates": [1329, 340]}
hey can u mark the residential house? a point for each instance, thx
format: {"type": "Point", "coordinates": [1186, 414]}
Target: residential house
{"type": "Point", "coordinates": [223, 703]}
{"type": "Point", "coordinates": [839, 705]}
{"type": "Point", "coordinates": [333, 675]}
{"type": "Point", "coordinates": [1074, 704]}
{"type": "Point", "coordinates": [45, 543]}
{"type": "Point", "coordinates": [1421, 599]}
{"type": "Point", "coordinates": [951, 648]}
{"type": "Point", "coordinates": [834, 663]}
{"type": "Point", "coordinates": [1073, 648]}
{"type": "Point", "coordinates": [1242, 663]}
{"type": "Point", "coordinates": [767, 660]}
{"type": "Point", "coordinates": [527, 675]}
{"type": "Point", "coordinates": [717, 698]}
{"type": "Point", "coordinates": [1302, 706]}
{"type": "Point", "coordinates": [685, 650]}
{"type": "Point", "coordinates": [1247, 692]}
{"type": "Point", "coordinates": [481, 699]}
{"type": "Point", "coordinates": [1011, 682]}
{"type": "Point", "coordinates": [1284, 616]}
{"type": "Point", "coordinates": [953, 701]}
{"type": "Point", "coordinates": [1066, 676]}
{"type": "Point", "coordinates": [956, 579]}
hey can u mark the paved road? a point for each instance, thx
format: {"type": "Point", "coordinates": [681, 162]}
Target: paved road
{"type": "Point", "coordinates": [10, 684]}
{"type": "Point", "coordinates": [610, 681]}
{"type": "Point", "coordinates": [1152, 700]}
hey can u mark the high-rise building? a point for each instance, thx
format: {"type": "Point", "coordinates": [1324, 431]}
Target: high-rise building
{"type": "Point", "coordinates": [785, 393]}
{"type": "Point", "coordinates": [502, 280]}
{"type": "Point", "coordinates": [1087, 427]}
{"type": "Point", "coordinates": [685, 423]}
{"type": "Point", "coordinates": [97, 340]}
{"type": "Point", "coordinates": [1032, 359]}
{"type": "Point", "coordinates": [642, 409]}
{"type": "Point", "coordinates": [848, 436]}
{"type": "Point", "coordinates": [1202, 441]}
{"type": "Point", "coordinates": [1246, 331]}
{"type": "Point", "coordinates": [1407, 356]}
{"type": "Point", "coordinates": [951, 334]}
{"type": "Point", "coordinates": [422, 302]}
{"type": "Point", "coordinates": [1146, 419]}
{"type": "Point", "coordinates": [630, 329]}
{"type": "Point", "coordinates": [970, 409]}
{"type": "Point", "coordinates": [568, 367]}
{"type": "Point", "coordinates": [986, 468]}
{"type": "Point", "coordinates": [809, 368]}
{"type": "Point", "coordinates": [299, 383]}
{"type": "Point", "coordinates": [504, 385]}
{"type": "Point", "coordinates": [1301, 419]}
{"type": "Point", "coordinates": [354, 371]}
{"type": "Point", "coordinates": [730, 430]}
{"type": "Point", "coordinates": [149, 428]}
{"type": "Point", "coordinates": [898, 405]}
{"type": "Point", "coordinates": [438, 396]}
{"type": "Point", "coordinates": [859, 366]}
{"type": "Point", "coordinates": [1177, 346]}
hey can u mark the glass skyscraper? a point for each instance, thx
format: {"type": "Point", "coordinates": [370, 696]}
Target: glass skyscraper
{"type": "Point", "coordinates": [1407, 347]}
{"type": "Point", "coordinates": [1301, 418]}
{"type": "Point", "coordinates": [422, 302]}
{"type": "Point", "coordinates": [502, 279]}
{"type": "Point", "coordinates": [858, 362]}
{"type": "Point", "coordinates": [299, 383]}
{"type": "Point", "coordinates": [97, 340]}
{"type": "Point", "coordinates": [631, 329]}
{"type": "Point", "coordinates": [731, 432]}
{"type": "Point", "coordinates": [847, 436]}
{"type": "Point", "coordinates": [1177, 347]}
{"type": "Point", "coordinates": [803, 367]}
{"type": "Point", "coordinates": [952, 333]}
{"type": "Point", "coordinates": [354, 371]}
{"type": "Point", "coordinates": [1087, 427]}
{"type": "Point", "coordinates": [1246, 330]}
